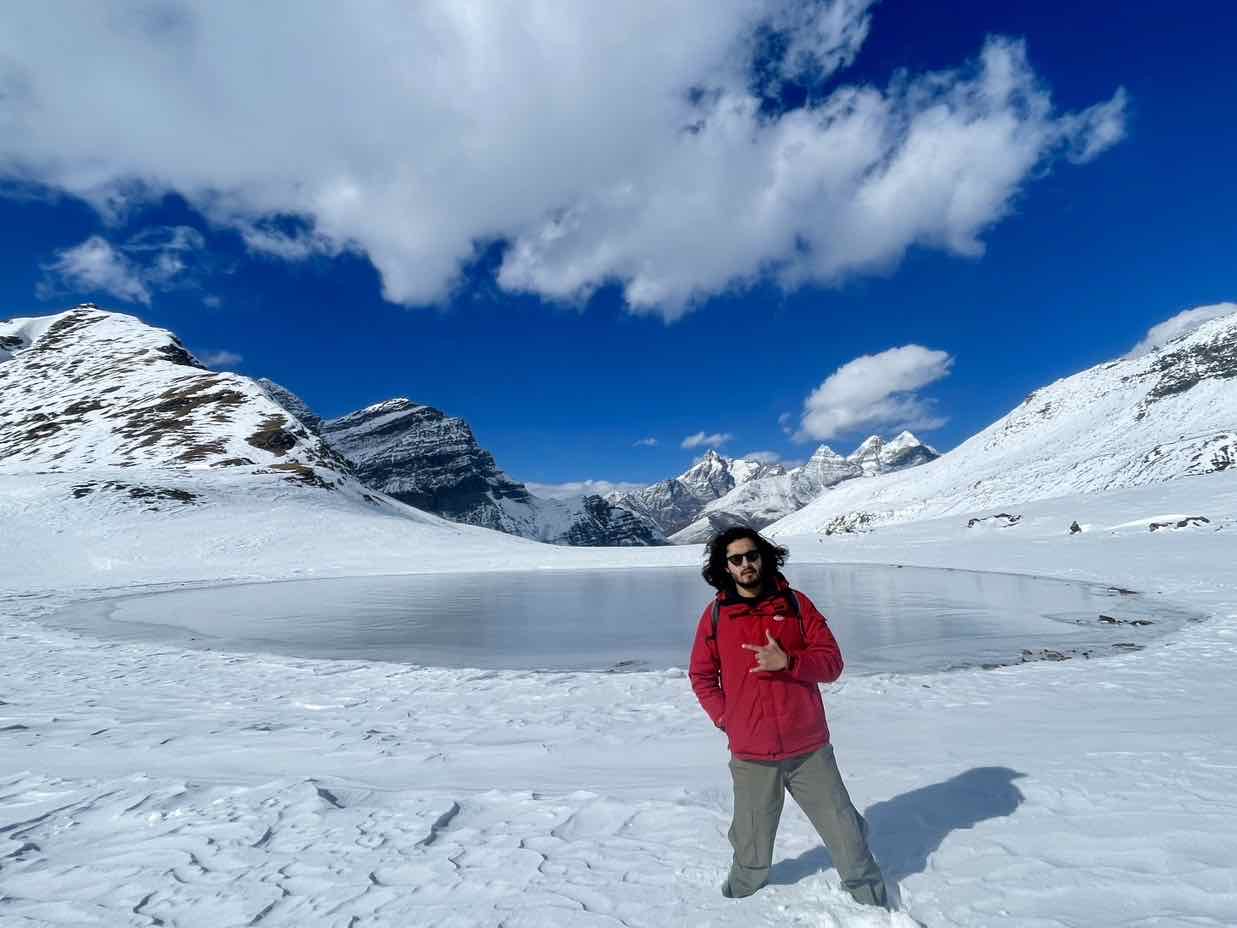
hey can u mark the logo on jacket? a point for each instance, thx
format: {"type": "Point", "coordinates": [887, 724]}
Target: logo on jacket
{"type": "Point", "coordinates": [779, 618]}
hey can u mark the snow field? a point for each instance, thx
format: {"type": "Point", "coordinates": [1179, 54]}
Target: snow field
{"type": "Point", "coordinates": [144, 785]}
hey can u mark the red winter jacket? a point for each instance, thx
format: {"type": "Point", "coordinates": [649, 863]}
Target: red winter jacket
{"type": "Point", "coordinates": [767, 716]}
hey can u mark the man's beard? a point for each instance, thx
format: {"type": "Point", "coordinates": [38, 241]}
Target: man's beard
{"type": "Point", "coordinates": [756, 583]}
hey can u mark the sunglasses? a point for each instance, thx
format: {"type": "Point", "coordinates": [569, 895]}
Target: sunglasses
{"type": "Point", "coordinates": [750, 556]}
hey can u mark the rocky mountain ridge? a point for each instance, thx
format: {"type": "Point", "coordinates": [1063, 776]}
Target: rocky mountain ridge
{"type": "Point", "coordinates": [717, 492]}
{"type": "Point", "coordinates": [671, 504]}
{"type": "Point", "coordinates": [427, 459]}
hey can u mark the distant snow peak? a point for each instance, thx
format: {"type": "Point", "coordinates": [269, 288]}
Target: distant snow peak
{"type": "Point", "coordinates": [772, 495]}
{"type": "Point", "coordinates": [717, 492]}
{"type": "Point", "coordinates": [672, 504]}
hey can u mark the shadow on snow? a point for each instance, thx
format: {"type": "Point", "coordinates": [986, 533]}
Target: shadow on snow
{"type": "Point", "coordinates": [905, 830]}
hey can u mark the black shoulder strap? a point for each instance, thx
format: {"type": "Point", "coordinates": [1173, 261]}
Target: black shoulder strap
{"type": "Point", "coordinates": [793, 599]}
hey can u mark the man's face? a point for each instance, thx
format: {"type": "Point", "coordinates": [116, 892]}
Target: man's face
{"type": "Point", "coordinates": [746, 572]}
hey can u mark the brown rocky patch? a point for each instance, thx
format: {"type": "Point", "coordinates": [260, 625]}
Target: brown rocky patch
{"type": "Point", "coordinates": [272, 437]}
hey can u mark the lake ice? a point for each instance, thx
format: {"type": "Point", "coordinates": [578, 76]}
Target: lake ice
{"type": "Point", "coordinates": [887, 619]}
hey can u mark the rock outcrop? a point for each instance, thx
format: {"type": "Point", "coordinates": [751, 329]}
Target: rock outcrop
{"type": "Point", "coordinates": [423, 457]}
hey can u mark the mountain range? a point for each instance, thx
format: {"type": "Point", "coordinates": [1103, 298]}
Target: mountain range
{"type": "Point", "coordinates": [88, 388]}
{"type": "Point", "coordinates": [136, 420]}
{"type": "Point", "coordinates": [717, 492]}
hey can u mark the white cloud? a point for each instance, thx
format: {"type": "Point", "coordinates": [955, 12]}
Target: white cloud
{"type": "Point", "coordinates": [581, 488]}
{"type": "Point", "coordinates": [701, 440]}
{"type": "Point", "coordinates": [645, 443]}
{"type": "Point", "coordinates": [1181, 324]}
{"type": "Point", "coordinates": [876, 390]}
{"type": "Point", "coordinates": [764, 457]}
{"type": "Point", "coordinates": [156, 258]}
{"type": "Point", "coordinates": [221, 358]}
{"type": "Point", "coordinates": [92, 266]}
{"type": "Point", "coordinates": [615, 142]}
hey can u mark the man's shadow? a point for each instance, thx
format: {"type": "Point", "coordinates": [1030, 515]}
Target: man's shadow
{"type": "Point", "coordinates": [904, 831]}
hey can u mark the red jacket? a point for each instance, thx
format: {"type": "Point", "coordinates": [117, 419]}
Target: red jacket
{"type": "Point", "coordinates": [767, 716]}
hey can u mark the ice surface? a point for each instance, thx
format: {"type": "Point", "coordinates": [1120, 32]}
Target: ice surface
{"type": "Point", "coordinates": [887, 619]}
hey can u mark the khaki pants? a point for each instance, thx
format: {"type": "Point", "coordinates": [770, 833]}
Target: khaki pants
{"type": "Point", "coordinates": [816, 785]}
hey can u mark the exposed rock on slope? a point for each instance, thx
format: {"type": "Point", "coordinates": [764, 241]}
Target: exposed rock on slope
{"type": "Point", "coordinates": [1168, 414]}
{"type": "Point", "coordinates": [90, 388]}
{"type": "Point", "coordinates": [430, 460]}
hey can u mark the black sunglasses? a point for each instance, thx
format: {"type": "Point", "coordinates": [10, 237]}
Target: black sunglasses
{"type": "Point", "coordinates": [750, 556]}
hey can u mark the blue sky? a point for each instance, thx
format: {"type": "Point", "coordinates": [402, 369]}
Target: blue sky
{"type": "Point", "coordinates": [561, 356]}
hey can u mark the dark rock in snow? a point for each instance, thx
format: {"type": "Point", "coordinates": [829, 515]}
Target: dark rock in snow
{"type": "Point", "coordinates": [1188, 522]}
{"type": "Point", "coordinates": [1001, 520]}
{"type": "Point", "coordinates": [1074, 527]}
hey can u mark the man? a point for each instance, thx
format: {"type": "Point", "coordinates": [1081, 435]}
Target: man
{"type": "Point", "coordinates": [761, 649]}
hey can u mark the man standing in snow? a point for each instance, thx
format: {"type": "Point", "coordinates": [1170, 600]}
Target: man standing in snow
{"type": "Point", "coordinates": [761, 648]}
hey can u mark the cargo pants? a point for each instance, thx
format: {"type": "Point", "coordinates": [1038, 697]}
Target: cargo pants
{"type": "Point", "coordinates": [816, 785]}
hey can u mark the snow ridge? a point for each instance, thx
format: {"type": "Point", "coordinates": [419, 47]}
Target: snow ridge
{"type": "Point", "coordinates": [1165, 415]}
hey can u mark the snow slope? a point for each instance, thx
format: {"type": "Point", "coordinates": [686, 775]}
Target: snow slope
{"type": "Point", "coordinates": [1168, 414]}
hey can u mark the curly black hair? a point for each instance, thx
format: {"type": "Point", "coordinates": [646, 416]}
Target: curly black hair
{"type": "Point", "coordinates": [715, 573]}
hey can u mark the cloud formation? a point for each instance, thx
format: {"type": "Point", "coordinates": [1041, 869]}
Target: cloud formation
{"type": "Point", "coordinates": [581, 488]}
{"type": "Point", "coordinates": [1183, 323]}
{"type": "Point", "coordinates": [876, 390]}
{"type": "Point", "coordinates": [155, 259]}
{"type": "Point", "coordinates": [703, 440]}
{"type": "Point", "coordinates": [222, 358]}
{"type": "Point", "coordinates": [764, 457]}
{"type": "Point", "coordinates": [434, 129]}
{"type": "Point", "coordinates": [649, 442]}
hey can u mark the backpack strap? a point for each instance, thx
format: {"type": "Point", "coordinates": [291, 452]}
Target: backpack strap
{"type": "Point", "coordinates": [795, 607]}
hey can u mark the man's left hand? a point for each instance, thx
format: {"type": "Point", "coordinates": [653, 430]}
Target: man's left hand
{"type": "Point", "coordinates": [769, 657]}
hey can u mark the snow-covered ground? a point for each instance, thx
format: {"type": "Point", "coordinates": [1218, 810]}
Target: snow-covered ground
{"type": "Point", "coordinates": [148, 785]}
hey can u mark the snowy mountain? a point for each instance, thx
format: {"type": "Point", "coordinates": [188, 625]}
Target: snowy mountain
{"type": "Point", "coordinates": [1165, 415]}
{"type": "Point", "coordinates": [874, 456]}
{"type": "Point", "coordinates": [767, 498]}
{"type": "Point", "coordinates": [674, 503]}
{"type": "Point", "coordinates": [427, 459]}
{"type": "Point", "coordinates": [93, 389]}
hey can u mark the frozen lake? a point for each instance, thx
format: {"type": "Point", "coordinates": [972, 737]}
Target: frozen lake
{"type": "Point", "coordinates": [887, 619]}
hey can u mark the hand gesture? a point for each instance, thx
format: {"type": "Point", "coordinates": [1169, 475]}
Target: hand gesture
{"type": "Point", "coordinates": [769, 657]}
